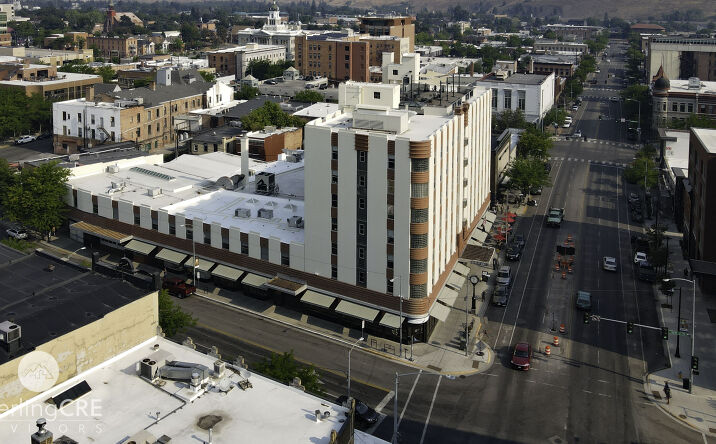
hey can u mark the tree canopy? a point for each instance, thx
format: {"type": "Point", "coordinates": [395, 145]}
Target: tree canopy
{"type": "Point", "coordinates": [246, 93]}
{"type": "Point", "coordinates": [308, 96]}
{"type": "Point", "coordinates": [172, 318]}
{"type": "Point", "coordinates": [643, 171]}
{"type": "Point", "coordinates": [35, 196]}
{"type": "Point", "coordinates": [284, 367]}
{"type": "Point", "coordinates": [269, 114]}
{"type": "Point", "coordinates": [509, 119]}
{"type": "Point", "coordinates": [526, 173]}
{"type": "Point", "coordinates": [534, 143]}
{"type": "Point", "coordinates": [264, 69]}
{"type": "Point", "coordinates": [20, 114]}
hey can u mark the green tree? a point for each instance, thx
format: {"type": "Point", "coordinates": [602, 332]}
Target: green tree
{"type": "Point", "coordinates": [284, 367]}
{"type": "Point", "coordinates": [176, 46]}
{"type": "Point", "coordinates": [555, 115]}
{"type": "Point", "coordinates": [246, 93]}
{"type": "Point", "coordinates": [172, 318]}
{"type": "Point", "coordinates": [36, 198]}
{"type": "Point", "coordinates": [534, 143]}
{"type": "Point", "coordinates": [208, 76]}
{"type": "Point", "coordinates": [509, 119]}
{"type": "Point", "coordinates": [264, 69]}
{"type": "Point", "coordinates": [269, 114]}
{"type": "Point", "coordinates": [20, 114]}
{"type": "Point", "coordinates": [8, 177]}
{"type": "Point", "coordinates": [308, 96]}
{"type": "Point", "coordinates": [107, 73]}
{"type": "Point", "coordinates": [693, 121]}
{"type": "Point", "coordinates": [642, 171]}
{"type": "Point", "coordinates": [526, 173]}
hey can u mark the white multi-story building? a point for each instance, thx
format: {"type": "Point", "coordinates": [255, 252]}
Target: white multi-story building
{"type": "Point", "coordinates": [675, 100]}
{"type": "Point", "coordinates": [406, 71]}
{"type": "Point", "coordinates": [533, 94]}
{"type": "Point", "coordinates": [398, 192]}
{"type": "Point", "coordinates": [274, 32]}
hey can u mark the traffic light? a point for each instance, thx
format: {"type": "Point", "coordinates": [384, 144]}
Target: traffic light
{"type": "Point", "coordinates": [586, 318]}
{"type": "Point", "coordinates": [664, 333]}
{"type": "Point", "coordinates": [695, 363]}
{"type": "Point", "coordinates": [630, 327]}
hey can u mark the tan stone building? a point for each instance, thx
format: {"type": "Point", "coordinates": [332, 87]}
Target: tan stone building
{"type": "Point", "coordinates": [46, 81]}
{"type": "Point", "coordinates": [398, 26]}
{"type": "Point", "coordinates": [235, 61]}
{"type": "Point", "coordinates": [269, 142]}
{"type": "Point", "coordinates": [114, 46]}
{"type": "Point", "coordinates": [377, 45]}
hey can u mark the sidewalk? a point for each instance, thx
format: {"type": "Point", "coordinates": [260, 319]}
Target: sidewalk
{"type": "Point", "coordinates": [698, 409]}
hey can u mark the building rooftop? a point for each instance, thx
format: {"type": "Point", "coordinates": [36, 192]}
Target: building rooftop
{"type": "Point", "coordinates": [186, 83]}
{"type": "Point", "coordinates": [553, 59]}
{"type": "Point", "coordinates": [217, 134]}
{"type": "Point", "coordinates": [707, 137]}
{"type": "Point", "coordinates": [265, 411]}
{"type": "Point", "coordinates": [62, 78]}
{"type": "Point", "coordinates": [522, 79]}
{"type": "Point", "coordinates": [249, 47]}
{"type": "Point", "coordinates": [694, 86]}
{"type": "Point", "coordinates": [189, 187]}
{"type": "Point", "coordinates": [47, 304]}
{"type": "Point", "coordinates": [316, 110]}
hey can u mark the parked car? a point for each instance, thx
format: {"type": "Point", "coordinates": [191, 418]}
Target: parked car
{"type": "Point", "coordinates": [577, 133]}
{"type": "Point", "coordinates": [639, 257]}
{"type": "Point", "coordinates": [310, 86]}
{"type": "Point", "coordinates": [514, 251]}
{"type": "Point", "coordinates": [17, 233]}
{"type": "Point", "coordinates": [614, 99]}
{"type": "Point", "coordinates": [566, 124]}
{"type": "Point", "coordinates": [609, 263]}
{"type": "Point", "coordinates": [323, 86]}
{"type": "Point", "coordinates": [521, 356]}
{"type": "Point", "coordinates": [25, 139]}
{"type": "Point", "coordinates": [536, 190]}
{"type": "Point", "coordinates": [584, 300]}
{"type": "Point", "coordinates": [519, 239]}
{"type": "Point", "coordinates": [178, 287]}
{"type": "Point", "coordinates": [575, 107]}
{"type": "Point", "coordinates": [547, 167]}
{"type": "Point", "coordinates": [500, 296]}
{"type": "Point", "coordinates": [364, 414]}
{"type": "Point", "coordinates": [504, 276]}
{"type": "Point", "coordinates": [271, 82]}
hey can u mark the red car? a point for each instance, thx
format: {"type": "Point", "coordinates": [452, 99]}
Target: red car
{"type": "Point", "coordinates": [178, 287]}
{"type": "Point", "coordinates": [521, 356]}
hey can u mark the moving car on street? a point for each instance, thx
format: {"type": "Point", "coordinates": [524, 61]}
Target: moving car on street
{"type": "Point", "coordinates": [639, 257]}
{"type": "Point", "coordinates": [555, 216]}
{"type": "Point", "coordinates": [364, 414]}
{"type": "Point", "coordinates": [521, 356]}
{"type": "Point", "coordinates": [609, 263]}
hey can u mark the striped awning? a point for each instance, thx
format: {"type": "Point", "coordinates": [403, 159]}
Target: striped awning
{"type": "Point", "coordinates": [254, 280]}
{"type": "Point", "coordinates": [222, 271]}
{"type": "Point", "coordinates": [390, 320]}
{"type": "Point", "coordinates": [357, 311]}
{"type": "Point", "coordinates": [462, 269]}
{"type": "Point", "coordinates": [102, 233]}
{"type": "Point", "coordinates": [172, 256]}
{"type": "Point", "coordinates": [317, 299]}
{"type": "Point", "coordinates": [456, 281]}
{"type": "Point", "coordinates": [439, 311]}
{"type": "Point", "coordinates": [140, 247]}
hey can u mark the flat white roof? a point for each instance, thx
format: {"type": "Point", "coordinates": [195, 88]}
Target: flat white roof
{"type": "Point", "coordinates": [62, 77]}
{"type": "Point", "coordinates": [420, 127]}
{"type": "Point", "coordinates": [676, 153]}
{"type": "Point", "coordinates": [121, 404]}
{"type": "Point", "coordinates": [188, 187]}
{"type": "Point", "coordinates": [707, 138]}
{"type": "Point", "coordinates": [320, 109]}
{"type": "Point", "coordinates": [679, 85]}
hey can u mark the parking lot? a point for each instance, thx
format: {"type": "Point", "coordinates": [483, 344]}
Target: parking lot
{"type": "Point", "coordinates": [289, 88]}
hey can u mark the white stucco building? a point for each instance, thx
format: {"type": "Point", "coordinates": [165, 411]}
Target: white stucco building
{"type": "Point", "coordinates": [274, 32]}
{"type": "Point", "coordinates": [402, 73]}
{"type": "Point", "coordinates": [531, 93]}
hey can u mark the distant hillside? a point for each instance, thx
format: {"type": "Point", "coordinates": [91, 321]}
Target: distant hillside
{"type": "Point", "coordinates": [626, 9]}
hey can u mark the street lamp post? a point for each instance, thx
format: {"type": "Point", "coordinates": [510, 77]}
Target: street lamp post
{"type": "Point", "coordinates": [349, 363]}
{"type": "Point", "coordinates": [474, 280]}
{"type": "Point", "coordinates": [693, 323]}
{"type": "Point", "coordinates": [394, 439]}
{"type": "Point", "coordinates": [400, 327]}
{"type": "Point", "coordinates": [678, 327]}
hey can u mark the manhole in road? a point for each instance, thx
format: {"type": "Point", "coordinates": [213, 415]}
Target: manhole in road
{"type": "Point", "coordinates": [556, 440]}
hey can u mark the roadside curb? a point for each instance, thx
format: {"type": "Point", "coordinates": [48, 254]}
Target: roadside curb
{"type": "Point", "coordinates": [343, 341]}
{"type": "Point", "coordinates": [667, 412]}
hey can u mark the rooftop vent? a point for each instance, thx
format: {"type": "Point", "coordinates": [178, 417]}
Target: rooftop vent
{"type": "Point", "coordinates": [694, 83]}
{"type": "Point", "coordinates": [242, 212]}
{"type": "Point", "coordinates": [154, 192]}
{"type": "Point", "coordinates": [9, 332]}
{"type": "Point", "coordinates": [295, 222]}
{"type": "Point", "coordinates": [114, 169]}
{"type": "Point", "coordinates": [265, 213]}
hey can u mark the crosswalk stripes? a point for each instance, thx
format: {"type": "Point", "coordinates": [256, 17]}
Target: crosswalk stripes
{"type": "Point", "coordinates": [590, 161]}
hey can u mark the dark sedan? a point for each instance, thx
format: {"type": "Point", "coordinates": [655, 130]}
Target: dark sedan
{"type": "Point", "coordinates": [514, 251]}
{"type": "Point", "coordinates": [501, 296]}
{"type": "Point", "coordinates": [364, 414]}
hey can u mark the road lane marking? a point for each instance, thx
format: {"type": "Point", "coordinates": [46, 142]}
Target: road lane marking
{"type": "Point", "coordinates": [430, 411]}
{"type": "Point", "coordinates": [388, 396]}
{"type": "Point", "coordinates": [410, 395]}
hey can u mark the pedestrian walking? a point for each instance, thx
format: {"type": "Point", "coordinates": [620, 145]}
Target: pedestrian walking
{"type": "Point", "coordinates": [667, 391]}
{"type": "Point", "coordinates": [686, 272]}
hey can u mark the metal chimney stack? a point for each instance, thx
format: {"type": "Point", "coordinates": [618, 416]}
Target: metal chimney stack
{"type": "Point", "coordinates": [245, 157]}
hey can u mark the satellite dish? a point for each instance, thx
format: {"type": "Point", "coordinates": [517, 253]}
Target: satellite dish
{"type": "Point", "coordinates": [245, 373]}
{"type": "Point", "coordinates": [225, 385]}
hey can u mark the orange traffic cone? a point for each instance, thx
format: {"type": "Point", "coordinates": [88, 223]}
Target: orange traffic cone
{"type": "Point", "coordinates": [555, 341]}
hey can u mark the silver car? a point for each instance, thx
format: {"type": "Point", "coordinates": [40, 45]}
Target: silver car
{"type": "Point", "coordinates": [609, 263]}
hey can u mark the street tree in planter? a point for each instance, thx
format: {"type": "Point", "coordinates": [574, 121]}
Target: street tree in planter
{"type": "Point", "coordinates": [527, 173]}
{"type": "Point", "coordinates": [35, 198]}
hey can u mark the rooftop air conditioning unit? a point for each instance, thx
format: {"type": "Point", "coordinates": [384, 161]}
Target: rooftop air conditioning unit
{"type": "Point", "coordinates": [9, 332]}
{"type": "Point", "coordinates": [114, 169]}
{"type": "Point", "coordinates": [139, 100]}
{"type": "Point", "coordinates": [242, 212]}
{"type": "Point", "coordinates": [74, 157]}
{"type": "Point", "coordinates": [291, 158]}
{"type": "Point", "coordinates": [148, 369]}
{"type": "Point", "coordinates": [266, 213]}
{"type": "Point", "coordinates": [154, 192]}
{"type": "Point", "coordinates": [295, 222]}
